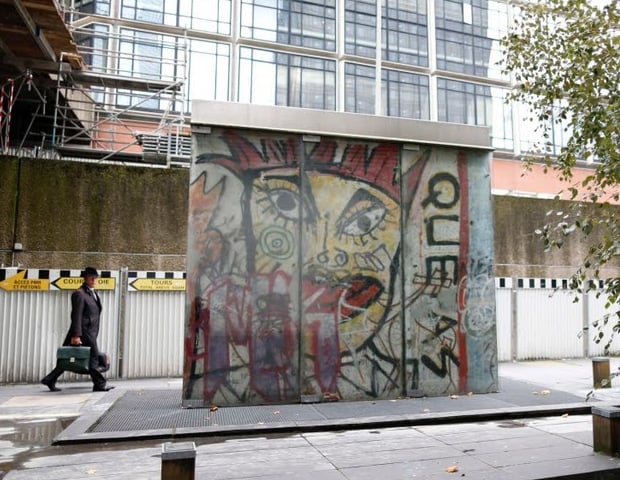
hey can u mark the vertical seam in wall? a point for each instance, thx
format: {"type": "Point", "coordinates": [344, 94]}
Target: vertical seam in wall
{"type": "Point", "coordinates": [301, 151]}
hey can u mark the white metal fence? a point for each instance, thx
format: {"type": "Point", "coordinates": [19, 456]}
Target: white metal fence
{"type": "Point", "coordinates": [143, 323]}
{"type": "Point", "coordinates": [538, 318]}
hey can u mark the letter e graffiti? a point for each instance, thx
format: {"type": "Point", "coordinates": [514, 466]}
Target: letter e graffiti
{"type": "Point", "coordinates": [446, 234]}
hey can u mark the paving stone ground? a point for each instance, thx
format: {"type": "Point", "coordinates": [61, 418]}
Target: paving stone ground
{"type": "Point", "coordinates": [479, 436]}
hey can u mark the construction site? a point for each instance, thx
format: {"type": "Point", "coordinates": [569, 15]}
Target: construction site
{"type": "Point", "coordinates": [77, 85]}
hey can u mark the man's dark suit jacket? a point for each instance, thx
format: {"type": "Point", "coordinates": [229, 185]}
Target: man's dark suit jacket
{"type": "Point", "coordinates": [85, 315]}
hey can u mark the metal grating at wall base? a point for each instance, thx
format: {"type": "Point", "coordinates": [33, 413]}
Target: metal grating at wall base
{"type": "Point", "coordinates": [161, 409]}
{"type": "Point", "coordinates": [151, 411]}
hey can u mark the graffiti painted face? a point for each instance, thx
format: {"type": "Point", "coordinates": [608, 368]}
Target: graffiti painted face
{"type": "Point", "coordinates": [349, 236]}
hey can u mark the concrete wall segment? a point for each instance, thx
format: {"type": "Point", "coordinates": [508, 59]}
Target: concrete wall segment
{"type": "Point", "coordinates": [71, 214]}
{"type": "Point", "coordinates": [9, 174]}
{"type": "Point", "coordinates": [283, 227]}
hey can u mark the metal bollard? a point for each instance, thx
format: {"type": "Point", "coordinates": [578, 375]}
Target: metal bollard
{"type": "Point", "coordinates": [178, 461]}
{"type": "Point", "coordinates": [600, 372]}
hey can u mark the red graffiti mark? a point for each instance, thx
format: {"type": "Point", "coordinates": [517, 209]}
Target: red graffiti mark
{"type": "Point", "coordinates": [376, 166]}
{"type": "Point", "coordinates": [245, 156]}
{"type": "Point", "coordinates": [332, 304]}
{"type": "Point", "coordinates": [463, 255]}
{"type": "Point", "coordinates": [326, 347]}
{"type": "Point", "coordinates": [272, 348]}
{"type": "Point", "coordinates": [346, 299]}
{"type": "Point", "coordinates": [256, 314]}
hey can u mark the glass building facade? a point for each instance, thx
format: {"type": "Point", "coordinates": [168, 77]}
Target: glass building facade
{"type": "Point", "coordinates": [420, 59]}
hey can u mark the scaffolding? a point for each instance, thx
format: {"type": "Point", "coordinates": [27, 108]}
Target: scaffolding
{"type": "Point", "coordinates": [7, 100]}
{"type": "Point", "coordinates": [129, 103]}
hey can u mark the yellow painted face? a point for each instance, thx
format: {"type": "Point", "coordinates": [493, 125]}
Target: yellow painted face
{"type": "Point", "coordinates": [349, 236]}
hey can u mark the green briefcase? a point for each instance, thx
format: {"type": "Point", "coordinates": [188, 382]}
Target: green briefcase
{"type": "Point", "coordinates": [73, 359]}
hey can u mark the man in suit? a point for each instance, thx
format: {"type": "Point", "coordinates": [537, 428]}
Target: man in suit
{"type": "Point", "coordinates": [85, 315]}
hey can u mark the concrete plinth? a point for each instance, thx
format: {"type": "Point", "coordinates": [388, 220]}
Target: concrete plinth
{"type": "Point", "coordinates": [600, 372]}
{"type": "Point", "coordinates": [606, 429]}
{"type": "Point", "coordinates": [178, 461]}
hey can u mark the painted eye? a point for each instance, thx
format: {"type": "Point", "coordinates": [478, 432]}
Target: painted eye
{"type": "Point", "coordinates": [285, 202]}
{"type": "Point", "coordinates": [364, 221]}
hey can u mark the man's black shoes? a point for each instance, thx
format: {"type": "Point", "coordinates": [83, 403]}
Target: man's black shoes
{"type": "Point", "coordinates": [105, 388]}
{"type": "Point", "coordinates": [53, 388]}
{"type": "Point", "coordinates": [51, 385]}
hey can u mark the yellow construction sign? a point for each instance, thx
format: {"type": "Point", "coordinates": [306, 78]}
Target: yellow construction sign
{"type": "Point", "coordinates": [18, 282]}
{"type": "Point", "coordinates": [170, 284]}
{"type": "Point", "coordinates": [73, 283]}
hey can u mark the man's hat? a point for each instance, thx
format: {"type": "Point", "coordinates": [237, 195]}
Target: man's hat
{"type": "Point", "coordinates": [91, 272]}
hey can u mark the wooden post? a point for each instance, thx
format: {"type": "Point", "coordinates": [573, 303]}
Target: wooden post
{"type": "Point", "coordinates": [600, 372]}
{"type": "Point", "coordinates": [606, 429]}
{"type": "Point", "coordinates": [178, 461]}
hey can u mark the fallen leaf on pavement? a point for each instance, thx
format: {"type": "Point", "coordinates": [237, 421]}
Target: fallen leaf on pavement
{"type": "Point", "coordinates": [330, 397]}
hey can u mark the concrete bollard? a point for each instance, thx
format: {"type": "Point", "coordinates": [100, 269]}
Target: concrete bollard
{"type": "Point", "coordinates": [178, 461]}
{"type": "Point", "coordinates": [606, 429]}
{"type": "Point", "coordinates": [600, 372]}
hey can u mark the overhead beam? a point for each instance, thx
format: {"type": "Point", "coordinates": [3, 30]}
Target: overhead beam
{"type": "Point", "coordinates": [129, 83]}
{"type": "Point", "coordinates": [35, 30]}
{"type": "Point", "coordinates": [34, 64]}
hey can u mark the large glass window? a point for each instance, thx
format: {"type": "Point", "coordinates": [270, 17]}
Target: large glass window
{"type": "Point", "coordinates": [144, 10]}
{"type": "Point", "coordinates": [360, 19]}
{"type": "Point", "coordinates": [139, 54]}
{"type": "Point", "coordinates": [462, 102]}
{"type": "Point", "coordinates": [405, 94]}
{"type": "Point", "coordinates": [309, 23]}
{"type": "Point", "coordinates": [182, 13]}
{"type": "Point", "coordinates": [209, 64]}
{"type": "Point", "coordinates": [542, 139]}
{"type": "Point", "coordinates": [214, 17]}
{"type": "Point", "coordinates": [405, 32]}
{"type": "Point", "coordinates": [150, 57]}
{"type": "Point", "coordinates": [468, 34]}
{"type": "Point", "coordinates": [274, 78]}
{"type": "Point", "coordinates": [359, 89]}
{"type": "Point", "coordinates": [93, 45]}
{"type": "Point", "coordinates": [99, 7]}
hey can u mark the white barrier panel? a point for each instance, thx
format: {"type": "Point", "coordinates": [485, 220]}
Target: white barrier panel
{"type": "Point", "coordinates": [35, 306]}
{"type": "Point", "coordinates": [549, 325]}
{"type": "Point", "coordinates": [596, 314]}
{"type": "Point", "coordinates": [153, 345]}
{"type": "Point", "coordinates": [154, 322]}
{"type": "Point", "coordinates": [503, 314]}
